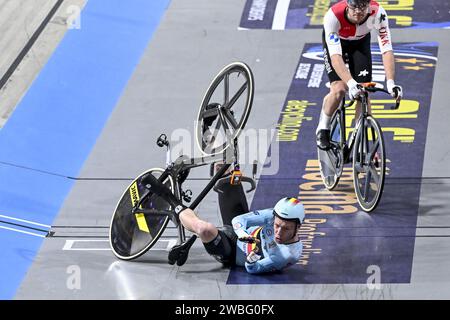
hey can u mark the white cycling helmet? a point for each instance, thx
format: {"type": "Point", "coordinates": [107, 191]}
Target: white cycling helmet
{"type": "Point", "coordinates": [290, 209]}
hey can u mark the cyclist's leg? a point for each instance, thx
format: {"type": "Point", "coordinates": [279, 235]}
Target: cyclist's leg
{"type": "Point", "coordinates": [205, 230]}
{"type": "Point", "coordinates": [218, 243]}
{"type": "Point", "coordinates": [331, 100]}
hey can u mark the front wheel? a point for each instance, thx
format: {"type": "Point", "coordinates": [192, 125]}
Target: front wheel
{"type": "Point", "coordinates": [225, 108]}
{"type": "Point", "coordinates": [131, 235]}
{"type": "Point", "coordinates": [369, 164]}
{"type": "Point", "coordinates": [331, 162]}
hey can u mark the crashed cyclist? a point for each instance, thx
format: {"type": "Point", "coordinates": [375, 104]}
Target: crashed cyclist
{"type": "Point", "coordinates": [346, 33]}
{"type": "Point", "coordinates": [261, 241]}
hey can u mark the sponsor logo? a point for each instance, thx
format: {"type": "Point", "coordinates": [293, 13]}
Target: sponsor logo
{"type": "Point", "coordinates": [363, 73]}
{"type": "Point", "coordinates": [237, 225]}
{"type": "Point", "coordinates": [257, 10]}
{"type": "Point", "coordinates": [384, 36]}
{"type": "Point", "coordinates": [134, 193]}
{"type": "Point", "coordinates": [292, 118]}
{"type": "Point", "coordinates": [333, 38]}
{"type": "Point", "coordinates": [303, 71]}
{"type": "Point", "coordinates": [316, 76]}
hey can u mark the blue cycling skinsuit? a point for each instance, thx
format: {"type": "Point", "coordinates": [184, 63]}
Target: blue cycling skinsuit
{"type": "Point", "coordinates": [274, 256]}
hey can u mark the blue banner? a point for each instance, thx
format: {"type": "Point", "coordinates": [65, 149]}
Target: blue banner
{"type": "Point", "coordinates": [307, 14]}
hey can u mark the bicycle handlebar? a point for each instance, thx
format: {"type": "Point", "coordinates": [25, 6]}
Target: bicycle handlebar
{"type": "Point", "coordinates": [373, 89]}
{"type": "Point", "coordinates": [226, 180]}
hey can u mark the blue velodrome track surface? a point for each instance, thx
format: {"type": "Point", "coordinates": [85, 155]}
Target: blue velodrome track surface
{"type": "Point", "coordinates": [46, 141]}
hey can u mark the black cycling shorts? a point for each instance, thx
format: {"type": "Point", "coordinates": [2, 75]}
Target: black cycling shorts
{"type": "Point", "coordinates": [356, 53]}
{"type": "Point", "coordinates": [223, 247]}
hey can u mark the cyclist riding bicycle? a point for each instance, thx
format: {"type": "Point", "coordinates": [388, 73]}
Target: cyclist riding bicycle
{"type": "Point", "coordinates": [346, 33]}
{"type": "Point", "coordinates": [261, 241]}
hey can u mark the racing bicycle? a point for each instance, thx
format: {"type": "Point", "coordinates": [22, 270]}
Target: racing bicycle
{"type": "Point", "coordinates": [365, 149]}
{"type": "Point", "coordinates": [154, 197]}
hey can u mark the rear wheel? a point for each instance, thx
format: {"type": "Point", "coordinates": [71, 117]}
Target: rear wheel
{"type": "Point", "coordinates": [131, 235]}
{"type": "Point", "coordinates": [331, 162]}
{"type": "Point", "coordinates": [369, 164]}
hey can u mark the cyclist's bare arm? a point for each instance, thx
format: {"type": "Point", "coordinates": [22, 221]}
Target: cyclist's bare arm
{"type": "Point", "coordinates": [340, 68]}
{"type": "Point", "coordinates": [389, 64]}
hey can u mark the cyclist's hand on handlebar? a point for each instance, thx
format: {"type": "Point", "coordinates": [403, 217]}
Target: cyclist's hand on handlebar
{"type": "Point", "coordinates": [396, 91]}
{"type": "Point", "coordinates": [354, 89]}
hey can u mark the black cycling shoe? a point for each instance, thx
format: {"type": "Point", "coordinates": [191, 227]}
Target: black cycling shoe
{"type": "Point", "coordinates": [179, 253]}
{"type": "Point", "coordinates": [323, 139]}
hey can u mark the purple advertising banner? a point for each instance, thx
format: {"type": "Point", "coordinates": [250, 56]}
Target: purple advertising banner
{"type": "Point", "coordinates": [307, 14]}
{"type": "Point", "coordinates": [343, 244]}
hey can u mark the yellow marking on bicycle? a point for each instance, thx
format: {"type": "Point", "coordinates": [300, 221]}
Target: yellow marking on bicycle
{"type": "Point", "coordinates": [140, 217]}
{"type": "Point", "coordinates": [134, 193]}
{"type": "Point", "coordinates": [142, 223]}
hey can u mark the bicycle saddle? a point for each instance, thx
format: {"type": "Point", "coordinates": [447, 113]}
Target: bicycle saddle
{"type": "Point", "coordinates": [179, 253]}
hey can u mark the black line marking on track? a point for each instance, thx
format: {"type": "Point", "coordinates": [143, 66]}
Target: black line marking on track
{"type": "Point", "coordinates": [29, 44]}
{"type": "Point", "coordinates": [207, 179]}
{"type": "Point", "coordinates": [23, 226]}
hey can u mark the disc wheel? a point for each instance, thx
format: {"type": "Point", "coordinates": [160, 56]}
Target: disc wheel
{"type": "Point", "coordinates": [131, 235]}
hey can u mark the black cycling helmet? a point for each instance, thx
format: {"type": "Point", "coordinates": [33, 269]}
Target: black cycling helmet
{"type": "Point", "coordinates": [358, 3]}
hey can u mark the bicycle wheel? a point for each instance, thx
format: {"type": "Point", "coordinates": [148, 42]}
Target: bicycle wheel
{"type": "Point", "coordinates": [131, 235]}
{"type": "Point", "coordinates": [225, 108]}
{"type": "Point", "coordinates": [331, 162]}
{"type": "Point", "coordinates": [369, 164]}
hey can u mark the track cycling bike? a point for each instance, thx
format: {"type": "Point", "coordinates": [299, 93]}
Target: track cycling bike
{"type": "Point", "coordinates": [153, 198]}
{"type": "Point", "coordinates": [364, 149]}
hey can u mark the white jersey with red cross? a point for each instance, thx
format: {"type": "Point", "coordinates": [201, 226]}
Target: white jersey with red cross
{"type": "Point", "coordinates": [337, 27]}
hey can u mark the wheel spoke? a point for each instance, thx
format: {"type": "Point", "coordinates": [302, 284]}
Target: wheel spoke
{"type": "Point", "coordinates": [236, 96]}
{"type": "Point", "coordinates": [230, 118]}
{"type": "Point", "coordinates": [367, 184]}
{"type": "Point", "coordinates": [222, 119]}
{"type": "Point", "coordinates": [227, 88]}
{"type": "Point", "coordinates": [373, 150]}
{"type": "Point", "coordinates": [374, 172]}
{"type": "Point", "coordinates": [209, 113]}
{"type": "Point", "coordinates": [359, 168]}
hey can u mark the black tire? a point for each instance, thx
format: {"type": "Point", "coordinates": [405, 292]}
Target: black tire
{"type": "Point", "coordinates": [131, 235]}
{"type": "Point", "coordinates": [211, 135]}
{"type": "Point", "coordinates": [370, 169]}
{"type": "Point", "coordinates": [331, 162]}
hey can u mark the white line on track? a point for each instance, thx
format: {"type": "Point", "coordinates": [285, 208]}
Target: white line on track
{"type": "Point", "coordinates": [280, 15]}
{"type": "Point", "coordinates": [68, 245]}
{"type": "Point", "coordinates": [21, 231]}
{"type": "Point", "coordinates": [26, 221]}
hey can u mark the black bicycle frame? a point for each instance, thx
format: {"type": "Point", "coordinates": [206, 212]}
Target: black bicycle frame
{"type": "Point", "coordinates": [181, 166]}
{"type": "Point", "coordinates": [359, 124]}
